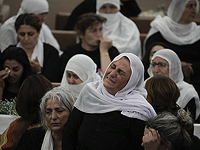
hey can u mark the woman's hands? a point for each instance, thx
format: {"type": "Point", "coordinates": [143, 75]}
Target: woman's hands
{"type": "Point", "coordinates": [187, 71]}
{"type": "Point", "coordinates": [35, 65]}
{"type": "Point", "coordinates": [3, 74]}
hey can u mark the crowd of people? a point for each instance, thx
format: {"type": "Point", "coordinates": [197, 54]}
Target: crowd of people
{"type": "Point", "coordinates": [111, 95]}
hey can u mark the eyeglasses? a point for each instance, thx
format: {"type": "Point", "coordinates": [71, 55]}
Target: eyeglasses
{"type": "Point", "coordinates": [160, 64]}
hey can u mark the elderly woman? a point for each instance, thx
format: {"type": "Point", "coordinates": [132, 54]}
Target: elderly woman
{"type": "Point", "coordinates": [179, 31]}
{"type": "Point", "coordinates": [165, 62]}
{"type": "Point", "coordinates": [40, 8]}
{"type": "Point", "coordinates": [111, 111]}
{"type": "Point", "coordinates": [121, 30]}
{"type": "Point", "coordinates": [79, 71]}
{"type": "Point", "coordinates": [44, 58]}
{"type": "Point", "coordinates": [56, 106]}
{"type": "Point", "coordinates": [168, 132]}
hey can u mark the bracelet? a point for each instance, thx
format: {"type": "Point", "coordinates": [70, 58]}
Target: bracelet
{"type": "Point", "coordinates": [105, 54]}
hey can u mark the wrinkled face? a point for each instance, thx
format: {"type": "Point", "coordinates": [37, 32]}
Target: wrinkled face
{"type": "Point", "coordinates": [56, 115]}
{"type": "Point", "coordinates": [153, 50]}
{"type": "Point", "coordinates": [16, 71]}
{"type": "Point", "coordinates": [72, 78]}
{"type": "Point", "coordinates": [28, 36]}
{"type": "Point", "coordinates": [117, 75]}
{"type": "Point", "coordinates": [189, 13]}
{"type": "Point", "coordinates": [108, 9]}
{"type": "Point", "coordinates": [160, 67]}
{"type": "Point", "coordinates": [42, 16]}
{"type": "Point", "coordinates": [92, 36]}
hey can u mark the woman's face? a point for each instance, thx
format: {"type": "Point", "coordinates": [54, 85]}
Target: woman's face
{"type": "Point", "coordinates": [160, 67]}
{"type": "Point", "coordinates": [72, 78]}
{"type": "Point", "coordinates": [108, 9]}
{"type": "Point", "coordinates": [56, 115]}
{"type": "Point", "coordinates": [189, 13]}
{"type": "Point", "coordinates": [153, 50]}
{"type": "Point", "coordinates": [16, 71]}
{"type": "Point", "coordinates": [28, 36]}
{"type": "Point", "coordinates": [117, 75]}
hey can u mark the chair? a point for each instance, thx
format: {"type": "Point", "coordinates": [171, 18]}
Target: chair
{"type": "Point", "coordinates": [142, 38]}
{"type": "Point", "coordinates": [64, 38]}
{"type": "Point", "coordinates": [61, 20]}
{"type": "Point", "coordinates": [197, 129]}
{"type": "Point", "coordinates": [55, 84]}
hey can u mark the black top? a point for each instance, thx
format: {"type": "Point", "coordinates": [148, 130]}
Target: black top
{"type": "Point", "coordinates": [7, 95]}
{"type": "Point", "coordinates": [129, 8]}
{"type": "Point", "coordinates": [51, 65]}
{"type": "Point", "coordinates": [106, 131]}
{"type": "Point", "coordinates": [32, 139]}
{"type": "Point", "coordinates": [94, 55]}
{"type": "Point", "coordinates": [188, 53]}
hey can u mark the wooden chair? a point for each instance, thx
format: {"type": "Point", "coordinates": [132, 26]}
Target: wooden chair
{"type": "Point", "coordinates": [55, 84]}
{"type": "Point", "coordinates": [61, 20]}
{"type": "Point", "coordinates": [142, 38]}
{"type": "Point", "coordinates": [64, 38]}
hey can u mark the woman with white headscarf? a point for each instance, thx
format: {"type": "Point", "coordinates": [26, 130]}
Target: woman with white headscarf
{"type": "Point", "coordinates": [111, 114]}
{"type": "Point", "coordinates": [79, 71]}
{"type": "Point", "coordinates": [121, 30]}
{"type": "Point", "coordinates": [166, 62]}
{"type": "Point", "coordinates": [40, 8]}
{"type": "Point", "coordinates": [179, 31]}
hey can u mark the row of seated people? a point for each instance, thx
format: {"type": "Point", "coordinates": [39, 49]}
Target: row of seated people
{"type": "Point", "coordinates": [59, 123]}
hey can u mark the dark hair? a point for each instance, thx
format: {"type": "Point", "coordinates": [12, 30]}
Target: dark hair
{"type": "Point", "coordinates": [163, 94]}
{"type": "Point", "coordinates": [29, 97]}
{"type": "Point", "coordinates": [28, 19]}
{"type": "Point", "coordinates": [19, 55]}
{"type": "Point", "coordinates": [145, 59]}
{"type": "Point", "coordinates": [173, 129]}
{"type": "Point", "coordinates": [88, 20]}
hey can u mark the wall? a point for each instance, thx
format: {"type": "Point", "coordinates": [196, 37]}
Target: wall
{"type": "Point", "coordinates": [68, 5]}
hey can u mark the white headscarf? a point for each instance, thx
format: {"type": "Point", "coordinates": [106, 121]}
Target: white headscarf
{"type": "Point", "coordinates": [121, 30]}
{"type": "Point", "coordinates": [8, 34]}
{"type": "Point", "coordinates": [85, 68]}
{"type": "Point", "coordinates": [94, 98]}
{"type": "Point", "coordinates": [171, 30]}
{"type": "Point", "coordinates": [187, 91]}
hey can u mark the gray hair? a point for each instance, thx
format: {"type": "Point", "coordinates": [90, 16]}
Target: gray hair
{"type": "Point", "coordinates": [65, 97]}
{"type": "Point", "coordinates": [173, 130]}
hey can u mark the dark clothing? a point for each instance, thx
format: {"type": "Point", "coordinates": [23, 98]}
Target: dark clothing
{"type": "Point", "coordinates": [32, 139]}
{"type": "Point", "coordinates": [7, 95]}
{"type": "Point", "coordinates": [94, 55]}
{"type": "Point", "coordinates": [106, 131]}
{"type": "Point", "coordinates": [51, 63]}
{"type": "Point", "coordinates": [129, 8]}
{"type": "Point", "coordinates": [188, 53]}
{"type": "Point", "coordinates": [191, 106]}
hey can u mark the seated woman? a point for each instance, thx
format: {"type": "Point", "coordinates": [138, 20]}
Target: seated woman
{"type": "Point", "coordinates": [129, 8]}
{"type": "Point", "coordinates": [112, 111]}
{"type": "Point", "coordinates": [179, 31]}
{"type": "Point", "coordinates": [121, 30]}
{"type": "Point", "coordinates": [165, 62]}
{"type": "Point", "coordinates": [27, 106]}
{"type": "Point", "coordinates": [56, 106]}
{"type": "Point", "coordinates": [44, 58]}
{"type": "Point", "coordinates": [79, 71]}
{"type": "Point", "coordinates": [168, 132]}
{"type": "Point", "coordinates": [14, 69]}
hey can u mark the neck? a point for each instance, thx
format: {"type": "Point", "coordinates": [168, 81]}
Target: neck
{"type": "Point", "coordinates": [87, 47]}
{"type": "Point", "coordinates": [57, 139]}
{"type": "Point", "coordinates": [14, 87]}
{"type": "Point", "coordinates": [29, 52]}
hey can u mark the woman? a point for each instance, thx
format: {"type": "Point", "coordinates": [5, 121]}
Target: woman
{"type": "Point", "coordinates": [165, 62]}
{"type": "Point", "coordinates": [27, 106]}
{"type": "Point", "coordinates": [56, 106]}
{"type": "Point", "coordinates": [15, 68]}
{"type": "Point", "coordinates": [168, 132]}
{"type": "Point", "coordinates": [40, 8]}
{"type": "Point", "coordinates": [121, 30]}
{"type": "Point", "coordinates": [112, 111]}
{"type": "Point", "coordinates": [179, 31]}
{"type": "Point", "coordinates": [44, 58]}
{"type": "Point", "coordinates": [79, 71]}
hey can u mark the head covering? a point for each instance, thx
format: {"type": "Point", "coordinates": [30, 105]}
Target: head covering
{"type": "Point", "coordinates": [171, 30]}
{"type": "Point", "coordinates": [85, 68]}
{"type": "Point", "coordinates": [94, 98]}
{"type": "Point", "coordinates": [117, 28]}
{"type": "Point", "coordinates": [187, 91]}
{"type": "Point", "coordinates": [177, 7]}
{"type": "Point", "coordinates": [34, 6]}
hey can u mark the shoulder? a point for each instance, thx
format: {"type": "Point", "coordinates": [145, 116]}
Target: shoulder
{"type": "Point", "coordinates": [49, 48]}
